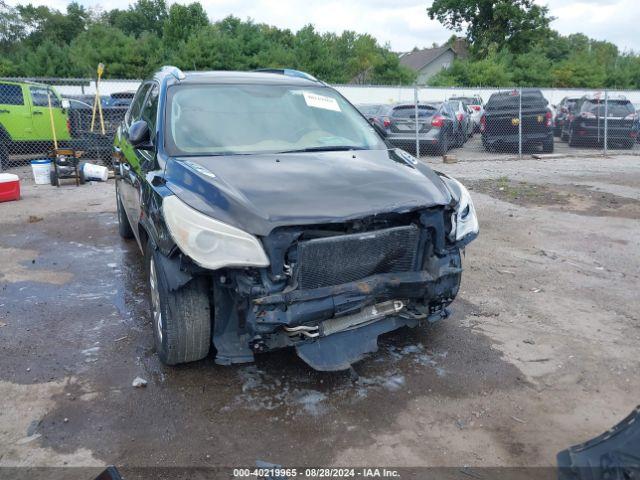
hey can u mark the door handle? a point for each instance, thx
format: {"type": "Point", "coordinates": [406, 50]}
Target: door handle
{"type": "Point", "coordinates": [37, 113]}
{"type": "Point", "coordinates": [4, 111]}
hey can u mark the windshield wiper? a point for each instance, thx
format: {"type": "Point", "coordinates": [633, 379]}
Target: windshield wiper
{"type": "Point", "coordinates": [326, 148]}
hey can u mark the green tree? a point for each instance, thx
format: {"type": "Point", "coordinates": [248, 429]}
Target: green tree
{"type": "Point", "coordinates": [516, 24]}
{"type": "Point", "coordinates": [182, 21]}
{"type": "Point", "coordinates": [124, 56]}
{"type": "Point", "coordinates": [142, 16]}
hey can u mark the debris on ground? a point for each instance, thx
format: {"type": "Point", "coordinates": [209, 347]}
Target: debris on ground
{"type": "Point", "coordinates": [139, 382]}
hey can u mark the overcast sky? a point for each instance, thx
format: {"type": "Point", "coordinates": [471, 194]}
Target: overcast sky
{"type": "Point", "coordinates": [404, 23]}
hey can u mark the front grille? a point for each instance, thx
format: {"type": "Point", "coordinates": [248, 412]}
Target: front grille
{"type": "Point", "coordinates": [347, 258]}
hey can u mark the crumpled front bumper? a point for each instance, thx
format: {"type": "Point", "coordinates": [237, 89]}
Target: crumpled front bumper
{"type": "Point", "coordinates": [265, 322]}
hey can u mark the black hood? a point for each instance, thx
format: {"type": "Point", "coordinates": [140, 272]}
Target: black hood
{"type": "Point", "coordinates": [258, 193]}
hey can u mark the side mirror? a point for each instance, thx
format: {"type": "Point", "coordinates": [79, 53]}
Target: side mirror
{"type": "Point", "coordinates": [140, 136]}
{"type": "Point", "coordinates": [65, 104]}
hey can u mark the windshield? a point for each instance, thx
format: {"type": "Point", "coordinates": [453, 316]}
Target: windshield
{"type": "Point", "coordinates": [247, 119]}
{"type": "Point", "coordinates": [614, 108]}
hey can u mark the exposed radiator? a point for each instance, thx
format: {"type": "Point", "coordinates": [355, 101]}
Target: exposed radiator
{"type": "Point", "coordinates": [341, 259]}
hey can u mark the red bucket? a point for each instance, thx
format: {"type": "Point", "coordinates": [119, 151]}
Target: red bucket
{"type": "Point", "coordinates": [9, 187]}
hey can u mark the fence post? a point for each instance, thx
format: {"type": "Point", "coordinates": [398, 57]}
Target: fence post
{"type": "Point", "coordinates": [415, 101]}
{"type": "Point", "coordinates": [520, 124]}
{"type": "Point", "coordinates": [606, 120]}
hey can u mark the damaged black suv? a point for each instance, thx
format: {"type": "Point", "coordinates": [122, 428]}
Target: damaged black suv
{"type": "Point", "coordinates": [271, 214]}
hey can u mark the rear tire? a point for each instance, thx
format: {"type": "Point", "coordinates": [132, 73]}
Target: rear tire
{"type": "Point", "coordinates": [181, 318]}
{"type": "Point", "coordinates": [124, 227]}
{"type": "Point", "coordinates": [572, 141]}
{"type": "Point", "coordinates": [443, 145]}
{"type": "Point", "coordinates": [53, 178]}
{"type": "Point", "coordinates": [4, 153]}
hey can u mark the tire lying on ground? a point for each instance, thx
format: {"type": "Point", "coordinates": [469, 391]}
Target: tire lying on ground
{"type": "Point", "coordinates": [181, 318]}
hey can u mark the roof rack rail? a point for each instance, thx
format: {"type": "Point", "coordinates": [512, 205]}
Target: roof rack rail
{"type": "Point", "coordinates": [174, 71]}
{"type": "Point", "coordinates": [288, 72]}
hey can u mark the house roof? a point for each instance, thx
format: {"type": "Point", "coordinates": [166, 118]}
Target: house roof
{"type": "Point", "coordinates": [421, 58]}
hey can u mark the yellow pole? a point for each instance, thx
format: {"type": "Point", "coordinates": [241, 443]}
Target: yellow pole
{"type": "Point", "coordinates": [96, 103]}
{"type": "Point", "coordinates": [53, 126]}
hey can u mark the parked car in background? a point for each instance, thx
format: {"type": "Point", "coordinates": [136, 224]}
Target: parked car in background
{"type": "Point", "coordinates": [376, 113]}
{"type": "Point", "coordinates": [120, 99]}
{"type": "Point", "coordinates": [586, 123]}
{"type": "Point", "coordinates": [463, 119]}
{"type": "Point", "coordinates": [437, 127]}
{"type": "Point", "coordinates": [476, 109]}
{"type": "Point", "coordinates": [333, 239]}
{"type": "Point", "coordinates": [504, 113]}
{"type": "Point", "coordinates": [25, 121]}
{"type": "Point", "coordinates": [95, 144]}
{"type": "Point", "coordinates": [563, 110]}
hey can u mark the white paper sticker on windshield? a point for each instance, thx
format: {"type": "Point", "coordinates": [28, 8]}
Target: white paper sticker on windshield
{"type": "Point", "coordinates": [320, 101]}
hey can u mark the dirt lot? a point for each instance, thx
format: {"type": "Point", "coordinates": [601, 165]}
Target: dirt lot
{"type": "Point", "coordinates": [541, 350]}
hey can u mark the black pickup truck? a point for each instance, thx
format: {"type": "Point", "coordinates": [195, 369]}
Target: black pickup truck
{"type": "Point", "coordinates": [500, 125]}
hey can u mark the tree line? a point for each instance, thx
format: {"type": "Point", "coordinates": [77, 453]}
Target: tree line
{"type": "Point", "coordinates": [38, 41]}
{"type": "Point", "coordinates": [512, 43]}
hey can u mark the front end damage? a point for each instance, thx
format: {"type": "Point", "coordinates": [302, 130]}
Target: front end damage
{"type": "Point", "coordinates": [330, 290]}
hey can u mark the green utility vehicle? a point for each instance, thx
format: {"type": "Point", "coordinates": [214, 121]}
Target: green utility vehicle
{"type": "Point", "coordinates": [25, 122]}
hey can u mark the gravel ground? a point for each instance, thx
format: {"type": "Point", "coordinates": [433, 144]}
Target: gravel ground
{"type": "Point", "coordinates": [540, 351]}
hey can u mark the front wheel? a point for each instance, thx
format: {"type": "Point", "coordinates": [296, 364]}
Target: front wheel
{"type": "Point", "coordinates": [124, 227]}
{"type": "Point", "coordinates": [181, 317]}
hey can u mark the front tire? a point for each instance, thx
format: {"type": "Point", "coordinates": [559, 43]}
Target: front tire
{"type": "Point", "coordinates": [181, 318]}
{"type": "Point", "coordinates": [124, 227]}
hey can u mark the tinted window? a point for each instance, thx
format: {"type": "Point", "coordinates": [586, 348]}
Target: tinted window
{"type": "Point", "coordinates": [511, 100]}
{"type": "Point", "coordinates": [369, 109]}
{"type": "Point", "coordinates": [134, 110]}
{"type": "Point", "coordinates": [40, 97]}
{"type": "Point", "coordinates": [236, 119]}
{"type": "Point", "coordinates": [11, 94]}
{"type": "Point", "coordinates": [150, 108]}
{"type": "Point", "coordinates": [615, 108]}
{"type": "Point", "coordinates": [409, 111]}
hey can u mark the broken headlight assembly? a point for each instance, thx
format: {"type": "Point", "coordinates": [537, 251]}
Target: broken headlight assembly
{"type": "Point", "coordinates": [464, 221]}
{"type": "Point", "coordinates": [208, 242]}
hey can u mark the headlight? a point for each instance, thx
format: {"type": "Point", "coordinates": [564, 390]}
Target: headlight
{"type": "Point", "coordinates": [209, 242]}
{"type": "Point", "coordinates": [464, 220]}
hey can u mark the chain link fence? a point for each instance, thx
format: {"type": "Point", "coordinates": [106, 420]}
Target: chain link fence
{"type": "Point", "coordinates": [473, 124]}
{"type": "Point", "coordinates": [486, 123]}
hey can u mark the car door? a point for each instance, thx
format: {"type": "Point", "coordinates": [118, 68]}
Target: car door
{"type": "Point", "coordinates": [134, 161]}
{"type": "Point", "coordinates": [42, 117]}
{"type": "Point", "coordinates": [15, 113]}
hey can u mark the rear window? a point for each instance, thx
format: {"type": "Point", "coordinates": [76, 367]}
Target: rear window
{"type": "Point", "coordinates": [499, 101]}
{"type": "Point", "coordinates": [369, 109]}
{"type": "Point", "coordinates": [616, 108]}
{"type": "Point", "coordinates": [11, 94]}
{"type": "Point", "coordinates": [468, 100]}
{"type": "Point", "coordinates": [410, 111]}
